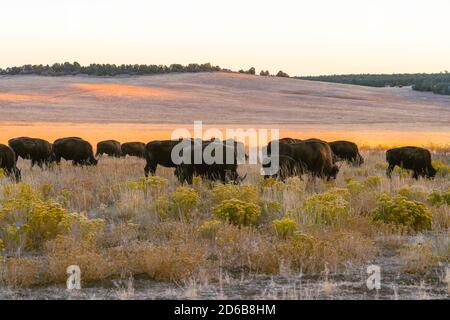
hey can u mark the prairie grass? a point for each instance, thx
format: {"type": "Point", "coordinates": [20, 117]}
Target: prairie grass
{"type": "Point", "coordinates": [114, 223]}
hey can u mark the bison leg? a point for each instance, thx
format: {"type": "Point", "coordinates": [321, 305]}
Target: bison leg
{"type": "Point", "coordinates": [389, 170]}
{"type": "Point", "coordinates": [150, 168]}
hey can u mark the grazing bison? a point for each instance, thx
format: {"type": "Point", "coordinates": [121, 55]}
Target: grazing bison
{"type": "Point", "coordinates": [109, 147]}
{"type": "Point", "coordinates": [313, 156]}
{"type": "Point", "coordinates": [219, 170]}
{"type": "Point", "coordinates": [412, 158]}
{"type": "Point", "coordinates": [39, 151]}
{"type": "Point", "coordinates": [8, 162]}
{"type": "Point", "coordinates": [347, 151]}
{"type": "Point", "coordinates": [288, 167]}
{"type": "Point", "coordinates": [159, 152]}
{"type": "Point", "coordinates": [75, 149]}
{"type": "Point", "coordinates": [136, 149]}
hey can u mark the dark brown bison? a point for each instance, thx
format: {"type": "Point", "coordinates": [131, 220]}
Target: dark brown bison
{"type": "Point", "coordinates": [136, 149]}
{"type": "Point", "coordinates": [221, 167]}
{"type": "Point", "coordinates": [75, 149]}
{"type": "Point", "coordinates": [8, 162]}
{"type": "Point", "coordinates": [313, 156]}
{"type": "Point", "coordinates": [110, 147]}
{"type": "Point", "coordinates": [347, 151]}
{"type": "Point", "coordinates": [291, 141]}
{"type": "Point", "coordinates": [411, 158]}
{"type": "Point", "coordinates": [39, 151]}
{"type": "Point", "coordinates": [159, 152]}
{"type": "Point", "coordinates": [288, 167]}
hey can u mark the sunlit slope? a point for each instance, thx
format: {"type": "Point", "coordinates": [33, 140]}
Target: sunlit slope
{"type": "Point", "coordinates": [61, 105]}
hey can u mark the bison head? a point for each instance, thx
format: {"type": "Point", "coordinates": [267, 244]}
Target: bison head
{"type": "Point", "coordinates": [431, 172]}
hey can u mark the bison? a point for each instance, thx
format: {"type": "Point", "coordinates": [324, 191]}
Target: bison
{"type": "Point", "coordinates": [136, 149]}
{"type": "Point", "coordinates": [222, 169]}
{"type": "Point", "coordinates": [39, 151]}
{"type": "Point", "coordinates": [75, 149]}
{"type": "Point", "coordinates": [347, 151]}
{"type": "Point", "coordinates": [314, 156]}
{"type": "Point", "coordinates": [8, 162]}
{"type": "Point", "coordinates": [160, 152]}
{"type": "Point", "coordinates": [110, 147]}
{"type": "Point", "coordinates": [412, 158]}
{"type": "Point", "coordinates": [288, 167]}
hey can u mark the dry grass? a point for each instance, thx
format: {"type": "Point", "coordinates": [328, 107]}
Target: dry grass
{"type": "Point", "coordinates": [155, 227]}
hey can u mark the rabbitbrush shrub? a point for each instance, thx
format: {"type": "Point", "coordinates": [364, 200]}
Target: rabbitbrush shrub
{"type": "Point", "coordinates": [238, 212]}
{"type": "Point", "coordinates": [326, 207]}
{"type": "Point", "coordinates": [401, 211]}
{"type": "Point", "coordinates": [442, 169]}
{"type": "Point", "coordinates": [284, 227]}
{"type": "Point", "coordinates": [438, 198]}
{"type": "Point", "coordinates": [208, 229]}
{"type": "Point", "coordinates": [28, 220]}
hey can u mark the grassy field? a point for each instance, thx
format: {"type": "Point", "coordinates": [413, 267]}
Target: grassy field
{"type": "Point", "coordinates": [116, 224]}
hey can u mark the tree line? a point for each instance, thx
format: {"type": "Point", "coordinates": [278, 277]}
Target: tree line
{"type": "Point", "coordinates": [434, 82]}
{"type": "Point", "coordinates": [67, 68]}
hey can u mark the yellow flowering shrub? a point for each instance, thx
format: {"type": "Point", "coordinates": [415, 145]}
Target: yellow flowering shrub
{"type": "Point", "coordinates": [26, 219]}
{"type": "Point", "coordinates": [223, 192]}
{"type": "Point", "coordinates": [238, 212]}
{"type": "Point", "coordinates": [326, 207]}
{"type": "Point", "coordinates": [151, 184]}
{"type": "Point", "coordinates": [413, 193]}
{"type": "Point", "coordinates": [400, 211]}
{"type": "Point", "coordinates": [442, 169]}
{"type": "Point", "coordinates": [183, 201]}
{"type": "Point", "coordinates": [208, 229]}
{"type": "Point", "coordinates": [438, 198]}
{"type": "Point", "coordinates": [84, 228]}
{"type": "Point", "coordinates": [284, 227]}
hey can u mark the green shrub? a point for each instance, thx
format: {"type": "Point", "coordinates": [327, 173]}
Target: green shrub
{"type": "Point", "coordinates": [438, 198]}
{"type": "Point", "coordinates": [400, 211]}
{"type": "Point", "coordinates": [326, 207]}
{"type": "Point", "coordinates": [238, 212]}
{"type": "Point", "coordinates": [403, 173]}
{"type": "Point", "coordinates": [442, 169]}
{"type": "Point", "coordinates": [372, 182]}
{"type": "Point", "coordinates": [381, 165]}
{"type": "Point", "coordinates": [284, 227]}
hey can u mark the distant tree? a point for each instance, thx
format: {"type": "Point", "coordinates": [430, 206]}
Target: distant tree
{"type": "Point", "coordinates": [282, 74]}
{"type": "Point", "coordinates": [264, 73]}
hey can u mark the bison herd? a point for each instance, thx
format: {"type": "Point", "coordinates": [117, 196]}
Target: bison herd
{"type": "Point", "coordinates": [295, 157]}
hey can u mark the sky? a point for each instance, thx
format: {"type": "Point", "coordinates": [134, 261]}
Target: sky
{"type": "Point", "coordinates": [298, 37]}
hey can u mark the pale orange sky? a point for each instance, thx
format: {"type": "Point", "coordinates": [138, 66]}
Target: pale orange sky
{"type": "Point", "coordinates": [299, 37]}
